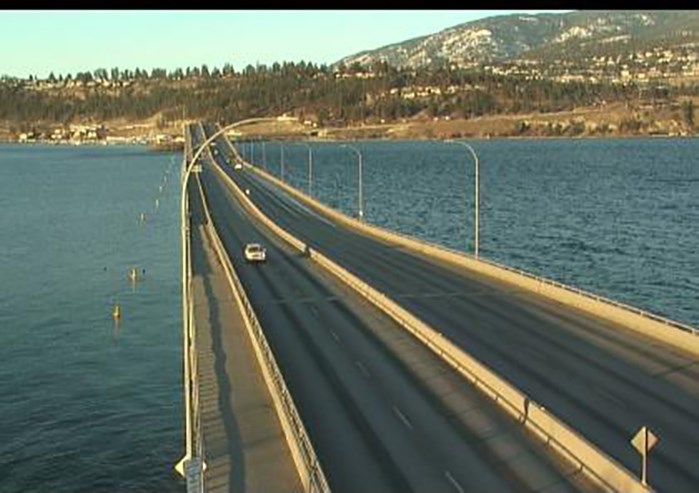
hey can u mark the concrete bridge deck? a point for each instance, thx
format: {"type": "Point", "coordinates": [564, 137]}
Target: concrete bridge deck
{"type": "Point", "coordinates": [602, 378]}
{"type": "Point", "coordinates": [383, 412]}
{"type": "Point", "coordinates": [245, 448]}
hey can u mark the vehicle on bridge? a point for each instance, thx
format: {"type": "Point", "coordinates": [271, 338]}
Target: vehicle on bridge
{"type": "Point", "coordinates": [254, 252]}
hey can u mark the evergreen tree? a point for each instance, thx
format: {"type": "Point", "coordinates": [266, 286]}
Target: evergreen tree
{"type": "Point", "coordinates": [688, 112]}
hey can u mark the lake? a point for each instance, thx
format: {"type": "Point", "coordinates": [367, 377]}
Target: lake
{"type": "Point", "coordinates": [93, 405]}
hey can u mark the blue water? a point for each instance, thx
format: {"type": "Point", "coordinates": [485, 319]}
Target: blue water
{"type": "Point", "coordinates": [91, 406]}
{"type": "Point", "coordinates": [617, 217]}
{"type": "Point", "coordinates": [86, 404]}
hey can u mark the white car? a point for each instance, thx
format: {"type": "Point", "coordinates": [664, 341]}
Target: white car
{"type": "Point", "coordinates": [238, 165]}
{"type": "Point", "coordinates": [254, 252]}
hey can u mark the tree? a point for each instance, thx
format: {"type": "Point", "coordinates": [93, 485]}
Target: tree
{"type": "Point", "coordinates": [177, 74]}
{"type": "Point", "coordinates": [688, 112]}
{"type": "Point", "coordinates": [158, 73]}
{"type": "Point", "coordinates": [101, 73]}
{"type": "Point", "coordinates": [83, 77]}
{"type": "Point", "coordinates": [228, 70]}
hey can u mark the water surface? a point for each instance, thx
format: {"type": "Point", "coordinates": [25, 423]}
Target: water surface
{"type": "Point", "coordinates": [88, 405]}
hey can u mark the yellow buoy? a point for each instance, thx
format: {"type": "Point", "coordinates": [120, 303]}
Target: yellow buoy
{"type": "Point", "coordinates": [116, 312]}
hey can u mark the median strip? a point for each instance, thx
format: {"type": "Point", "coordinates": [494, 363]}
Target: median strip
{"type": "Point", "coordinates": [592, 461]}
{"type": "Point", "coordinates": [310, 471]}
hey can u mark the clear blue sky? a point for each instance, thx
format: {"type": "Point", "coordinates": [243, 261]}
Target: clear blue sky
{"type": "Point", "coordinates": [70, 41]}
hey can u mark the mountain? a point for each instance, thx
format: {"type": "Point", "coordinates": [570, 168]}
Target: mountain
{"type": "Point", "coordinates": [541, 37]}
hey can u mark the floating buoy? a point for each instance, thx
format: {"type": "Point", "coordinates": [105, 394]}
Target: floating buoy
{"type": "Point", "coordinates": [116, 312]}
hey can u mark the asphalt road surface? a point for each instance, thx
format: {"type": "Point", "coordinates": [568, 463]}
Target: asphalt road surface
{"type": "Point", "coordinates": [383, 413]}
{"type": "Point", "coordinates": [605, 380]}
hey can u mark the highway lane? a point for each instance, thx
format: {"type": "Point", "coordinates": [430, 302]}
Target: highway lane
{"type": "Point", "coordinates": [376, 424]}
{"type": "Point", "coordinates": [604, 380]}
{"type": "Point", "coordinates": [245, 447]}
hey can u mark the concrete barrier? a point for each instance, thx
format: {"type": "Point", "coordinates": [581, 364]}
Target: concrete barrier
{"type": "Point", "coordinates": [192, 465]}
{"type": "Point", "coordinates": [304, 456]}
{"type": "Point", "coordinates": [588, 458]}
{"type": "Point", "coordinates": [671, 332]}
{"type": "Point", "coordinates": [592, 461]}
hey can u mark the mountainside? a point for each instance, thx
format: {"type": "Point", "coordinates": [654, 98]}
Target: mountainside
{"type": "Point", "coordinates": [542, 37]}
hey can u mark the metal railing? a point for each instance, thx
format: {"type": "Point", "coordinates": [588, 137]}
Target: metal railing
{"type": "Point", "coordinates": [192, 465]}
{"type": "Point", "coordinates": [428, 245]}
{"type": "Point", "coordinates": [596, 464]}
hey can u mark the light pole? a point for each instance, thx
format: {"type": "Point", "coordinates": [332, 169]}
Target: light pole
{"type": "Point", "coordinates": [310, 167]}
{"type": "Point", "coordinates": [476, 192]}
{"type": "Point", "coordinates": [360, 200]}
{"type": "Point", "coordinates": [186, 278]}
{"type": "Point", "coordinates": [281, 160]}
{"type": "Point", "coordinates": [264, 156]}
{"type": "Point", "coordinates": [241, 145]}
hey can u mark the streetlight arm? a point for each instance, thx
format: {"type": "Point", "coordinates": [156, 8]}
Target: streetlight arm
{"type": "Point", "coordinates": [186, 315]}
{"type": "Point", "coordinates": [360, 200]}
{"type": "Point", "coordinates": [476, 192]}
{"type": "Point", "coordinates": [310, 166]}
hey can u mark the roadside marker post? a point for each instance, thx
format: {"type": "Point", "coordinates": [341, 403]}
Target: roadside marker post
{"type": "Point", "coordinates": [643, 441]}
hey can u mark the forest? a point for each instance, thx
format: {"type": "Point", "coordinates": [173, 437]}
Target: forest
{"type": "Point", "coordinates": [338, 96]}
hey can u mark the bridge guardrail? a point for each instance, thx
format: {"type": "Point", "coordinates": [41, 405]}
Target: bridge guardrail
{"type": "Point", "coordinates": [669, 331]}
{"type": "Point", "coordinates": [307, 463]}
{"type": "Point", "coordinates": [591, 460]}
{"type": "Point", "coordinates": [587, 457]}
{"type": "Point", "coordinates": [192, 465]}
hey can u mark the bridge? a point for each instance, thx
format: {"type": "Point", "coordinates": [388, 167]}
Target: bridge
{"type": "Point", "coordinates": [358, 359]}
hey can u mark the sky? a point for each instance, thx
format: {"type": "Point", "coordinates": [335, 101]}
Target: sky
{"type": "Point", "coordinates": [38, 42]}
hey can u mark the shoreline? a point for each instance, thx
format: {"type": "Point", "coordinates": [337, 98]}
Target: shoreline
{"type": "Point", "coordinates": [155, 148]}
{"type": "Point", "coordinates": [565, 125]}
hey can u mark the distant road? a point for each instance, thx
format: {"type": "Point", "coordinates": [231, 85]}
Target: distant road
{"type": "Point", "coordinates": [384, 414]}
{"type": "Point", "coordinates": [603, 379]}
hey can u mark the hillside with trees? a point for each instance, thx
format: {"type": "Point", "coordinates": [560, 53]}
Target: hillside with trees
{"type": "Point", "coordinates": [344, 96]}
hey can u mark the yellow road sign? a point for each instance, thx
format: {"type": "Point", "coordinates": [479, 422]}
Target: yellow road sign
{"type": "Point", "coordinates": [644, 440]}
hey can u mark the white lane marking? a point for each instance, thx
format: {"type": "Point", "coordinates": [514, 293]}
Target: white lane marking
{"type": "Point", "coordinates": [313, 213]}
{"type": "Point", "coordinates": [314, 310]}
{"type": "Point", "coordinates": [402, 417]}
{"type": "Point", "coordinates": [362, 369]}
{"type": "Point", "coordinates": [610, 397]}
{"type": "Point", "coordinates": [454, 482]}
{"type": "Point", "coordinates": [335, 336]}
{"type": "Point", "coordinates": [288, 201]}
